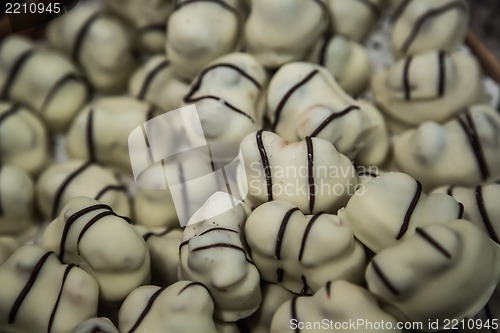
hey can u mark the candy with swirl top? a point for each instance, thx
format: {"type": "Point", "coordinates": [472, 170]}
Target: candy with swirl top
{"type": "Point", "coordinates": [311, 173]}
{"type": "Point", "coordinates": [183, 307]}
{"type": "Point", "coordinates": [302, 253]}
{"type": "Point", "coordinates": [24, 141]}
{"type": "Point", "coordinates": [281, 31]}
{"type": "Point", "coordinates": [425, 25]}
{"type": "Point", "coordinates": [90, 234]}
{"type": "Point", "coordinates": [435, 85]}
{"type": "Point", "coordinates": [41, 295]}
{"type": "Point", "coordinates": [213, 253]}
{"type": "Point", "coordinates": [61, 182]}
{"type": "Point", "coordinates": [98, 42]}
{"type": "Point", "coordinates": [199, 31]}
{"type": "Point", "coordinates": [96, 325]}
{"type": "Point", "coordinates": [430, 153]}
{"type": "Point", "coordinates": [389, 208]}
{"type": "Point", "coordinates": [443, 271]}
{"type": "Point", "coordinates": [43, 79]}
{"type": "Point", "coordinates": [337, 302]}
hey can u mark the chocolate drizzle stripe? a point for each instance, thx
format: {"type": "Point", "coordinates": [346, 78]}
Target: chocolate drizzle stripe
{"type": "Point", "coordinates": [151, 112]}
{"type": "Point", "coordinates": [421, 232]}
{"type": "Point", "coordinates": [328, 289]}
{"type": "Point", "coordinates": [305, 287]}
{"type": "Point", "coordinates": [442, 73]}
{"type": "Point", "coordinates": [146, 310]}
{"type": "Point", "coordinates": [332, 117]}
{"type": "Point", "coordinates": [29, 284]}
{"type": "Point", "coordinates": [265, 165]}
{"type": "Point", "coordinates": [217, 229]}
{"type": "Point", "coordinates": [288, 94]}
{"type": "Point", "coordinates": [14, 72]}
{"type": "Point", "coordinates": [80, 36]}
{"type": "Point", "coordinates": [150, 234]}
{"type": "Point", "coordinates": [192, 284]}
{"type": "Point", "coordinates": [406, 78]}
{"type": "Point", "coordinates": [72, 219]}
{"type": "Point", "coordinates": [409, 211]}
{"type": "Point", "coordinates": [293, 312]}
{"type": "Point", "coordinates": [459, 4]}
{"type": "Point", "coordinates": [372, 7]}
{"type": "Point", "coordinates": [219, 99]}
{"type": "Point", "coordinates": [224, 5]}
{"type": "Point", "coordinates": [484, 214]}
{"type": "Point", "coordinates": [279, 274]}
{"type": "Point", "coordinates": [449, 191]}
{"type": "Point", "coordinates": [383, 278]}
{"type": "Point", "coordinates": [364, 173]}
{"type": "Point", "coordinates": [151, 75]}
{"type": "Point", "coordinates": [9, 112]}
{"type": "Point", "coordinates": [281, 232]}
{"type": "Point", "coordinates": [89, 136]}
{"type": "Point", "coordinates": [324, 49]}
{"type": "Point", "coordinates": [219, 245]}
{"type": "Point", "coordinates": [56, 305]}
{"type": "Point", "coordinates": [306, 233]}
{"type": "Point", "coordinates": [60, 191]}
{"type": "Point", "coordinates": [400, 10]}
{"type": "Point", "coordinates": [109, 188]}
{"type": "Point", "coordinates": [310, 173]}
{"type": "Point", "coordinates": [460, 210]}
{"type": "Point", "coordinates": [477, 148]}
{"type": "Point", "coordinates": [182, 244]}
{"type": "Point", "coordinates": [89, 224]}
{"type": "Point", "coordinates": [57, 86]}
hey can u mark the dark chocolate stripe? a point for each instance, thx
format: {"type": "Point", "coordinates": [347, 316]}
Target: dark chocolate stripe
{"type": "Point", "coordinates": [150, 234]}
{"type": "Point", "coordinates": [288, 94]}
{"type": "Point", "coordinates": [80, 36]}
{"type": "Point", "coordinates": [224, 5]}
{"type": "Point", "coordinates": [199, 80]}
{"type": "Point", "coordinates": [150, 77]}
{"type": "Point", "coordinates": [72, 219]}
{"type": "Point", "coordinates": [310, 173]}
{"type": "Point", "coordinates": [383, 278]}
{"type": "Point", "coordinates": [192, 284]}
{"type": "Point", "coordinates": [89, 224]}
{"type": "Point", "coordinates": [89, 136]}
{"type": "Point", "coordinates": [306, 233]}
{"type": "Point", "coordinates": [328, 287]}
{"type": "Point", "coordinates": [182, 244]}
{"type": "Point", "coordinates": [364, 173]}
{"type": "Point", "coordinates": [430, 14]}
{"type": "Point", "coordinates": [305, 287]}
{"type": "Point", "coordinates": [9, 112]}
{"type": "Point", "coordinates": [29, 284]}
{"type": "Point", "coordinates": [57, 86]}
{"type": "Point", "coordinates": [219, 99]}
{"type": "Point", "coordinates": [332, 117]}
{"type": "Point", "coordinates": [56, 305]}
{"type": "Point", "coordinates": [293, 312]}
{"type": "Point", "coordinates": [484, 214]}
{"type": "Point", "coordinates": [442, 73]}
{"type": "Point", "coordinates": [217, 229]}
{"type": "Point", "coordinates": [421, 232]}
{"type": "Point", "coordinates": [279, 274]}
{"type": "Point", "coordinates": [449, 191]}
{"type": "Point", "coordinates": [323, 50]}
{"type": "Point", "coordinates": [13, 74]}
{"type": "Point", "coordinates": [109, 188]}
{"type": "Point", "coordinates": [265, 165]}
{"type": "Point", "coordinates": [146, 310]}
{"type": "Point", "coordinates": [372, 7]}
{"type": "Point", "coordinates": [281, 232]}
{"type": "Point", "coordinates": [409, 211]}
{"type": "Point", "coordinates": [406, 78]}
{"type": "Point", "coordinates": [460, 210]}
{"type": "Point", "coordinates": [477, 148]}
{"type": "Point", "coordinates": [218, 245]}
{"type": "Point", "coordinates": [400, 10]}
{"type": "Point", "coordinates": [60, 191]}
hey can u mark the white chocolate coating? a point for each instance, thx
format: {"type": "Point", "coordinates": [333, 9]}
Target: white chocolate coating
{"type": "Point", "coordinates": [105, 140]}
{"type": "Point", "coordinates": [213, 253]}
{"type": "Point", "coordinates": [434, 85]}
{"type": "Point", "coordinates": [423, 25]}
{"type": "Point", "coordinates": [302, 253]}
{"type": "Point", "coordinates": [388, 209]}
{"type": "Point", "coordinates": [201, 31]}
{"type": "Point", "coordinates": [338, 301]}
{"type": "Point", "coordinates": [436, 274]}
{"type": "Point", "coordinates": [311, 174]}
{"type": "Point", "coordinates": [61, 182]}
{"type": "Point", "coordinates": [281, 31]}
{"type": "Point", "coordinates": [154, 82]}
{"type": "Point", "coordinates": [183, 307]}
{"type": "Point", "coordinates": [104, 244]}
{"type": "Point", "coordinates": [24, 141]}
{"type": "Point", "coordinates": [44, 295]}
{"type": "Point", "coordinates": [431, 152]}
{"type": "Point", "coordinates": [43, 79]}
{"type": "Point", "coordinates": [96, 325]}
{"type": "Point", "coordinates": [7, 246]}
{"type": "Point", "coordinates": [99, 43]}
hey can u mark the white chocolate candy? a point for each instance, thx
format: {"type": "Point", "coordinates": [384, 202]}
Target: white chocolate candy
{"type": "Point", "coordinates": [311, 174]}
{"type": "Point", "coordinates": [212, 253]}
{"type": "Point", "coordinates": [7, 246]}
{"type": "Point", "coordinates": [183, 307]}
{"type": "Point", "coordinates": [201, 31]}
{"type": "Point", "coordinates": [228, 94]}
{"type": "Point", "coordinates": [155, 82]}
{"type": "Point", "coordinates": [388, 209]}
{"type": "Point", "coordinates": [99, 43]}
{"type": "Point", "coordinates": [302, 253]}
{"type": "Point", "coordinates": [43, 79]}
{"type": "Point", "coordinates": [435, 85]}
{"type": "Point", "coordinates": [305, 100]}
{"type": "Point", "coordinates": [24, 141]}
{"type": "Point", "coordinates": [40, 294]}
{"type": "Point", "coordinates": [337, 302]}
{"type": "Point", "coordinates": [424, 25]}
{"type": "Point", "coordinates": [446, 271]}
{"type": "Point", "coordinates": [431, 152]}
{"type": "Point", "coordinates": [104, 244]}
{"type": "Point", "coordinates": [96, 325]}
{"type": "Point", "coordinates": [60, 183]}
